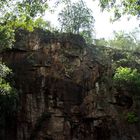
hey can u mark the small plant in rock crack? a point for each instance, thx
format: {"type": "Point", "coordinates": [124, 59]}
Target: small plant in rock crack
{"type": "Point", "coordinates": [132, 117]}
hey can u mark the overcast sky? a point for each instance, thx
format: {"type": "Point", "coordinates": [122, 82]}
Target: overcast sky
{"type": "Point", "coordinates": [103, 27]}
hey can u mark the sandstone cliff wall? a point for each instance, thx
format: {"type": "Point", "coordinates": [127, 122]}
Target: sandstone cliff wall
{"type": "Point", "coordinates": [65, 90]}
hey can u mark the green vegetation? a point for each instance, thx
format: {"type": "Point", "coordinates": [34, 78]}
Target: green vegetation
{"type": "Point", "coordinates": [101, 42]}
{"type": "Point", "coordinates": [74, 18]}
{"type": "Point", "coordinates": [23, 14]}
{"type": "Point", "coordinates": [6, 37]}
{"type": "Point", "coordinates": [125, 41]}
{"type": "Point", "coordinates": [7, 92]}
{"type": "Point", "coordinates": [77, 18]}
{"type": "Point", "coordinates": [132, 117]}
{"type": "Point", "coordinates": [8, 98]}
{"type": "Point", "coordinates": [128, 77]}
{"type": "Point", "coordinates": [123, 7]}
{"type": "Point", "coordinates": [19, 14]}
{"type": "Point", "coordinates": [122, 40]}
{"type": "Point", "coordinates": [13, 15]}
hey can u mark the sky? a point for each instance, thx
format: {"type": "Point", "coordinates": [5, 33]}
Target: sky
{"type": "Point", "coordinates": [103, 27]}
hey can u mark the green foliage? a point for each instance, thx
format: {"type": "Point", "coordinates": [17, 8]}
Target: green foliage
{"type": "Point", "coordinates": [6, 37]}
{"type": "Point", "coordinates": [126, 59]}
{"type": "Point", "coordinates": [8, 95]}
{"type": "Point", "coordinates": [132, 117]}
{"type": "Point", "coordinates": [4, 87]}
{"type": "Point", "coordinates": [101, 42]}
{"type": "Point", "coordinates": [122, 40]}
{"type": "Point", "coordinates": [119, 8]}
{"type": "Point", "coordinates": [77, 18]}
{"type": "Point", "coordinates": [8, 99]}
{"type": "Point", "coordinates": [128, 77]}
{"type": "Point", "coordinates": [7, 31]}
{"type": "Point", "coordinates": [32, 8]}
{"type": "Point", "coordinates": [4, 70]}
{"type": "Point", "coordinates": [25, 14]}
{"type": "Point", "coordinates": [19, 14]}
{"type": "Point", "coordinates": [13, 15]}
{"type": "Point", "coordinates": [87, 35]}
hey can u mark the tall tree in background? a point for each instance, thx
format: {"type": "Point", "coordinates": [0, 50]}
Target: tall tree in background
{"type": "Point", "coordinates": [126, 41]}
{"type": "Point", "coordinates": [77, 18]}
{"type": "Point", "coordinates": [122, 40]}
{"type": "Point", "coordinates": [101, 42]}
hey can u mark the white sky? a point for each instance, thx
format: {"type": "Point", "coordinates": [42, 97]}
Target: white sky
{"type": "Point", "coordinates": [103, 27]}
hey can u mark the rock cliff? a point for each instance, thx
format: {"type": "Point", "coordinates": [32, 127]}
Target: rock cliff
{"type": "Point", "coordinates": [66, 90]}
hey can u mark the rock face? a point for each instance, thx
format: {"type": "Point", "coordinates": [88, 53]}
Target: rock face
{"type": "Point", "coordinates": [65, 90]}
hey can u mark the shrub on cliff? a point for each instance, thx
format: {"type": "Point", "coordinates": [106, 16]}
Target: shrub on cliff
{"type": "Point", "coordinates": [127, 77]}
{"type": "Point", "coordinates": [8, 96]}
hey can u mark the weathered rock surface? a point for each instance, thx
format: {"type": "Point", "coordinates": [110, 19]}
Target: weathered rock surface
{"type": "Point", "coordinates": [65, 90]}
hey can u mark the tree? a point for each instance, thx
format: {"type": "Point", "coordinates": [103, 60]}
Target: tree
{"type": "Point", "coordinates": [24, 14]}
{"type": "Point", "coordinates": [101, 42]}
{"type": "Point", "coordinates": [77, 18]}
{"type": "Point", "coordinates": [30, 8]}
{"type": "Point", "coordinates": [122, 40]}
{"type": "Point", "coordinates": [122, 7]}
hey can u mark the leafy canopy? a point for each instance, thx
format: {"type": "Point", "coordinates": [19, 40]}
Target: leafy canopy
{"type": "Point", "coordinates": [127, 77]}
{"type": "Point", "coordinates": [126, 41]}
{"type": "Point", "coordinates": [122, 40]}
{"type": "Point", "coordinates": [4, 86]}
{"type": "Point", "coordinates": [24, 14]}
{"type": "Point", "coordinates": [77, 18]}
{"type": "Point", "coordinates": [121, 7]}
